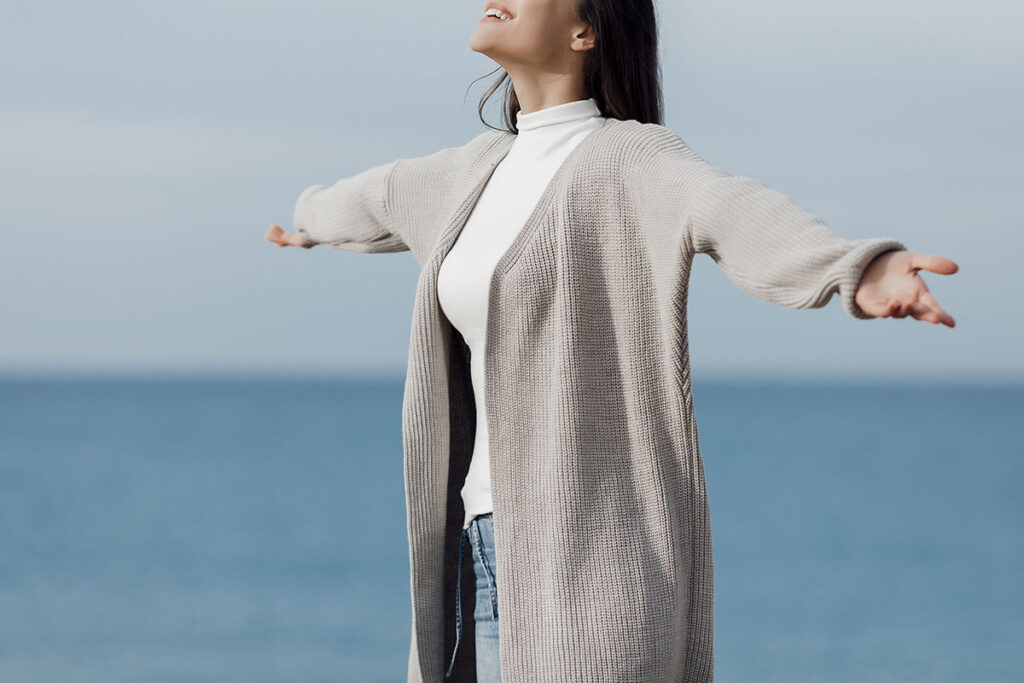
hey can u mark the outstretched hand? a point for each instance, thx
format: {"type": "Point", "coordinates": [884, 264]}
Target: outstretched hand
{"type": "Point", "coordinates": [287, 239]}
{"type": "Point", "coordinates": [890, 287]}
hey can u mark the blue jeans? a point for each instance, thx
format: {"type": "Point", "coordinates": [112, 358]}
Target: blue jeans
{"type": "Point", "coordinates": [480, 534]}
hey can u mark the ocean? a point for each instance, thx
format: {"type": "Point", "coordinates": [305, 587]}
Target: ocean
{"type": "Point", "coordinates": [253, 530]}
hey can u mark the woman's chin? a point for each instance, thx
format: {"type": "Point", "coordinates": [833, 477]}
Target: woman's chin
{"type": "Point", "coordinates": [481, 44]}
{"type": "Point", "coordinates": [477, 43]}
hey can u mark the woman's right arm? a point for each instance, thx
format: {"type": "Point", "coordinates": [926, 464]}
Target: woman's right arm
{"type": "Point", "coordinates": [352, 214]}
{"type": "Point", "coordinates": [398, 206]}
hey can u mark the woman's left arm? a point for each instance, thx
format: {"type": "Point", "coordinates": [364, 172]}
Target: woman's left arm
{"type": "Point", "coordinates": [774, 249]}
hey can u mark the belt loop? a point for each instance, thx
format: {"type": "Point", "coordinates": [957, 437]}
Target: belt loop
{"type": "Point", "coordinates": [458, 604]}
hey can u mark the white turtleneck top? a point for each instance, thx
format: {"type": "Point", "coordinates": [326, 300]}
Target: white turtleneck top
{"type": "Point", "coordinates": [545, 139]}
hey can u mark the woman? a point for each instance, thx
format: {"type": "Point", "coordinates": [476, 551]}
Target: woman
{"type": "Point", "coordinates": [548, 416]}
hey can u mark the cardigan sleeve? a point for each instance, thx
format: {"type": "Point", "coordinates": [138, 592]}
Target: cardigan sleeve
{"type": "Point", "coordinates": [352, 214]}
{"type": "Point", "coordinates": [772, 248]}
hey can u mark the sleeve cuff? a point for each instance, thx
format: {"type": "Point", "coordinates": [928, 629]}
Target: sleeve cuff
{"type": "Point", "coordinates": [852, 266]}
{"type": "Point", "coordinates": [303, 215]}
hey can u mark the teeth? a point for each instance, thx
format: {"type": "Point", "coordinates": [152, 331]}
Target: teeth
{"type": "Point", "coordinates": [496, 13]}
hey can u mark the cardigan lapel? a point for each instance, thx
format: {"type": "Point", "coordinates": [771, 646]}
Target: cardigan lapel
{"type": "Point", "coordinates": [480, 173]}
{"type": "Point", "coordinates": [427, 401]}
{"type": "Point", "coordinates": [427, 451]}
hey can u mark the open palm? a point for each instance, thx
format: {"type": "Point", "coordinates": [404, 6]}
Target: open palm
{"type": "Point", "coordinates": [890, 287]}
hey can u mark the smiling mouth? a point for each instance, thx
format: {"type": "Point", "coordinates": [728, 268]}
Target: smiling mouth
{"type": "Point", "coordinates": [496, 15]}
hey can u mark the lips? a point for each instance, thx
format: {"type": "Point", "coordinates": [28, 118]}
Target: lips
{"type": "Point", "coordinates": [500, 8]}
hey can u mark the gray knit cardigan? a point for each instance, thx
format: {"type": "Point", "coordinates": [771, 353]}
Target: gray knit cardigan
{"type": "Point", "coordinates": [601, 519]}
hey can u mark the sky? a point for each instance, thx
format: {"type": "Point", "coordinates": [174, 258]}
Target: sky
{"type": "Point", "coordinates": [146, 148]}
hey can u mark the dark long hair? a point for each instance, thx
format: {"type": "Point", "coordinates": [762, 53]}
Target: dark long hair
{"type": "Point", "coordinates": [621, 72]}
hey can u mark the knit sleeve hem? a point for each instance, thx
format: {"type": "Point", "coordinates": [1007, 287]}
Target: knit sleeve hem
{"type": "Point", "coordinates": [771, 247]}
{"type": "Point", "coordinates": [851, 268]}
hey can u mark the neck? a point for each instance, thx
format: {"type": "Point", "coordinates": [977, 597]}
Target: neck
{"type": "Point", "coordinates": [536, 91]}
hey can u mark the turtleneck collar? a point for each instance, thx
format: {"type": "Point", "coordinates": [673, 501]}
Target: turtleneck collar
{"type": "Point", "coordinates": [560, 113]}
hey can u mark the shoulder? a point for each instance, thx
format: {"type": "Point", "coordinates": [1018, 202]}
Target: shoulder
{"type": "Point", "coordinates": [448, 164]}
{"type": "Point", "coordinates": [478, 145]}
{"type": "Point", "coordinates": [454, 154]}
{"type": "Point", "coordinates": [439, 173]}
{"type": "Point", "coordinates": [638, 145]}
{"type": "Point", "coordinates": [650, 160]}
{"type": "Point", "coordinates": [422, 191]}
{"type": "Point", "coordinates": [487, 139]}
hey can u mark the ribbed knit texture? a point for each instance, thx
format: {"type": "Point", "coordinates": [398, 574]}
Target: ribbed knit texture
{"type": "Point", "coordinates": [546, 137]}
{"type": "Point", "coordinates": [601, 519]}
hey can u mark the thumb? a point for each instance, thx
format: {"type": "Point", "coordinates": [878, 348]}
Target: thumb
{"type": "Point", "coordinates": [934, 264]}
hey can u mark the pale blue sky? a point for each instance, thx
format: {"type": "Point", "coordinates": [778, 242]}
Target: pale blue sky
{"type": "Point", "coordinates": [146, 148]}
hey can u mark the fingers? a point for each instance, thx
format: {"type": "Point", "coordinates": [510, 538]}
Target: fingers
{"type": "Point", "coordinates": [926, 314]}
{"type": "Point", "coordinates": [923, 307]}
{"type": "Point", "coordinates": [274, 235]}
{"type": "Point", "coordinates": [935, 316]}
{"type": "Point", "coordinates": [900, 309]}
{"type": "Point", "coordinates": [926, 307]}
{"type": "Point", "coordinates": [933, 264]}
{"type": "Point", "coordinates": [935, 312]}
{"type": "Point", "coordinates": [285, 239]}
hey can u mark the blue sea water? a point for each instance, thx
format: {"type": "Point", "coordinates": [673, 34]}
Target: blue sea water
{"type": "Point", "coordinates": [253, 530]}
